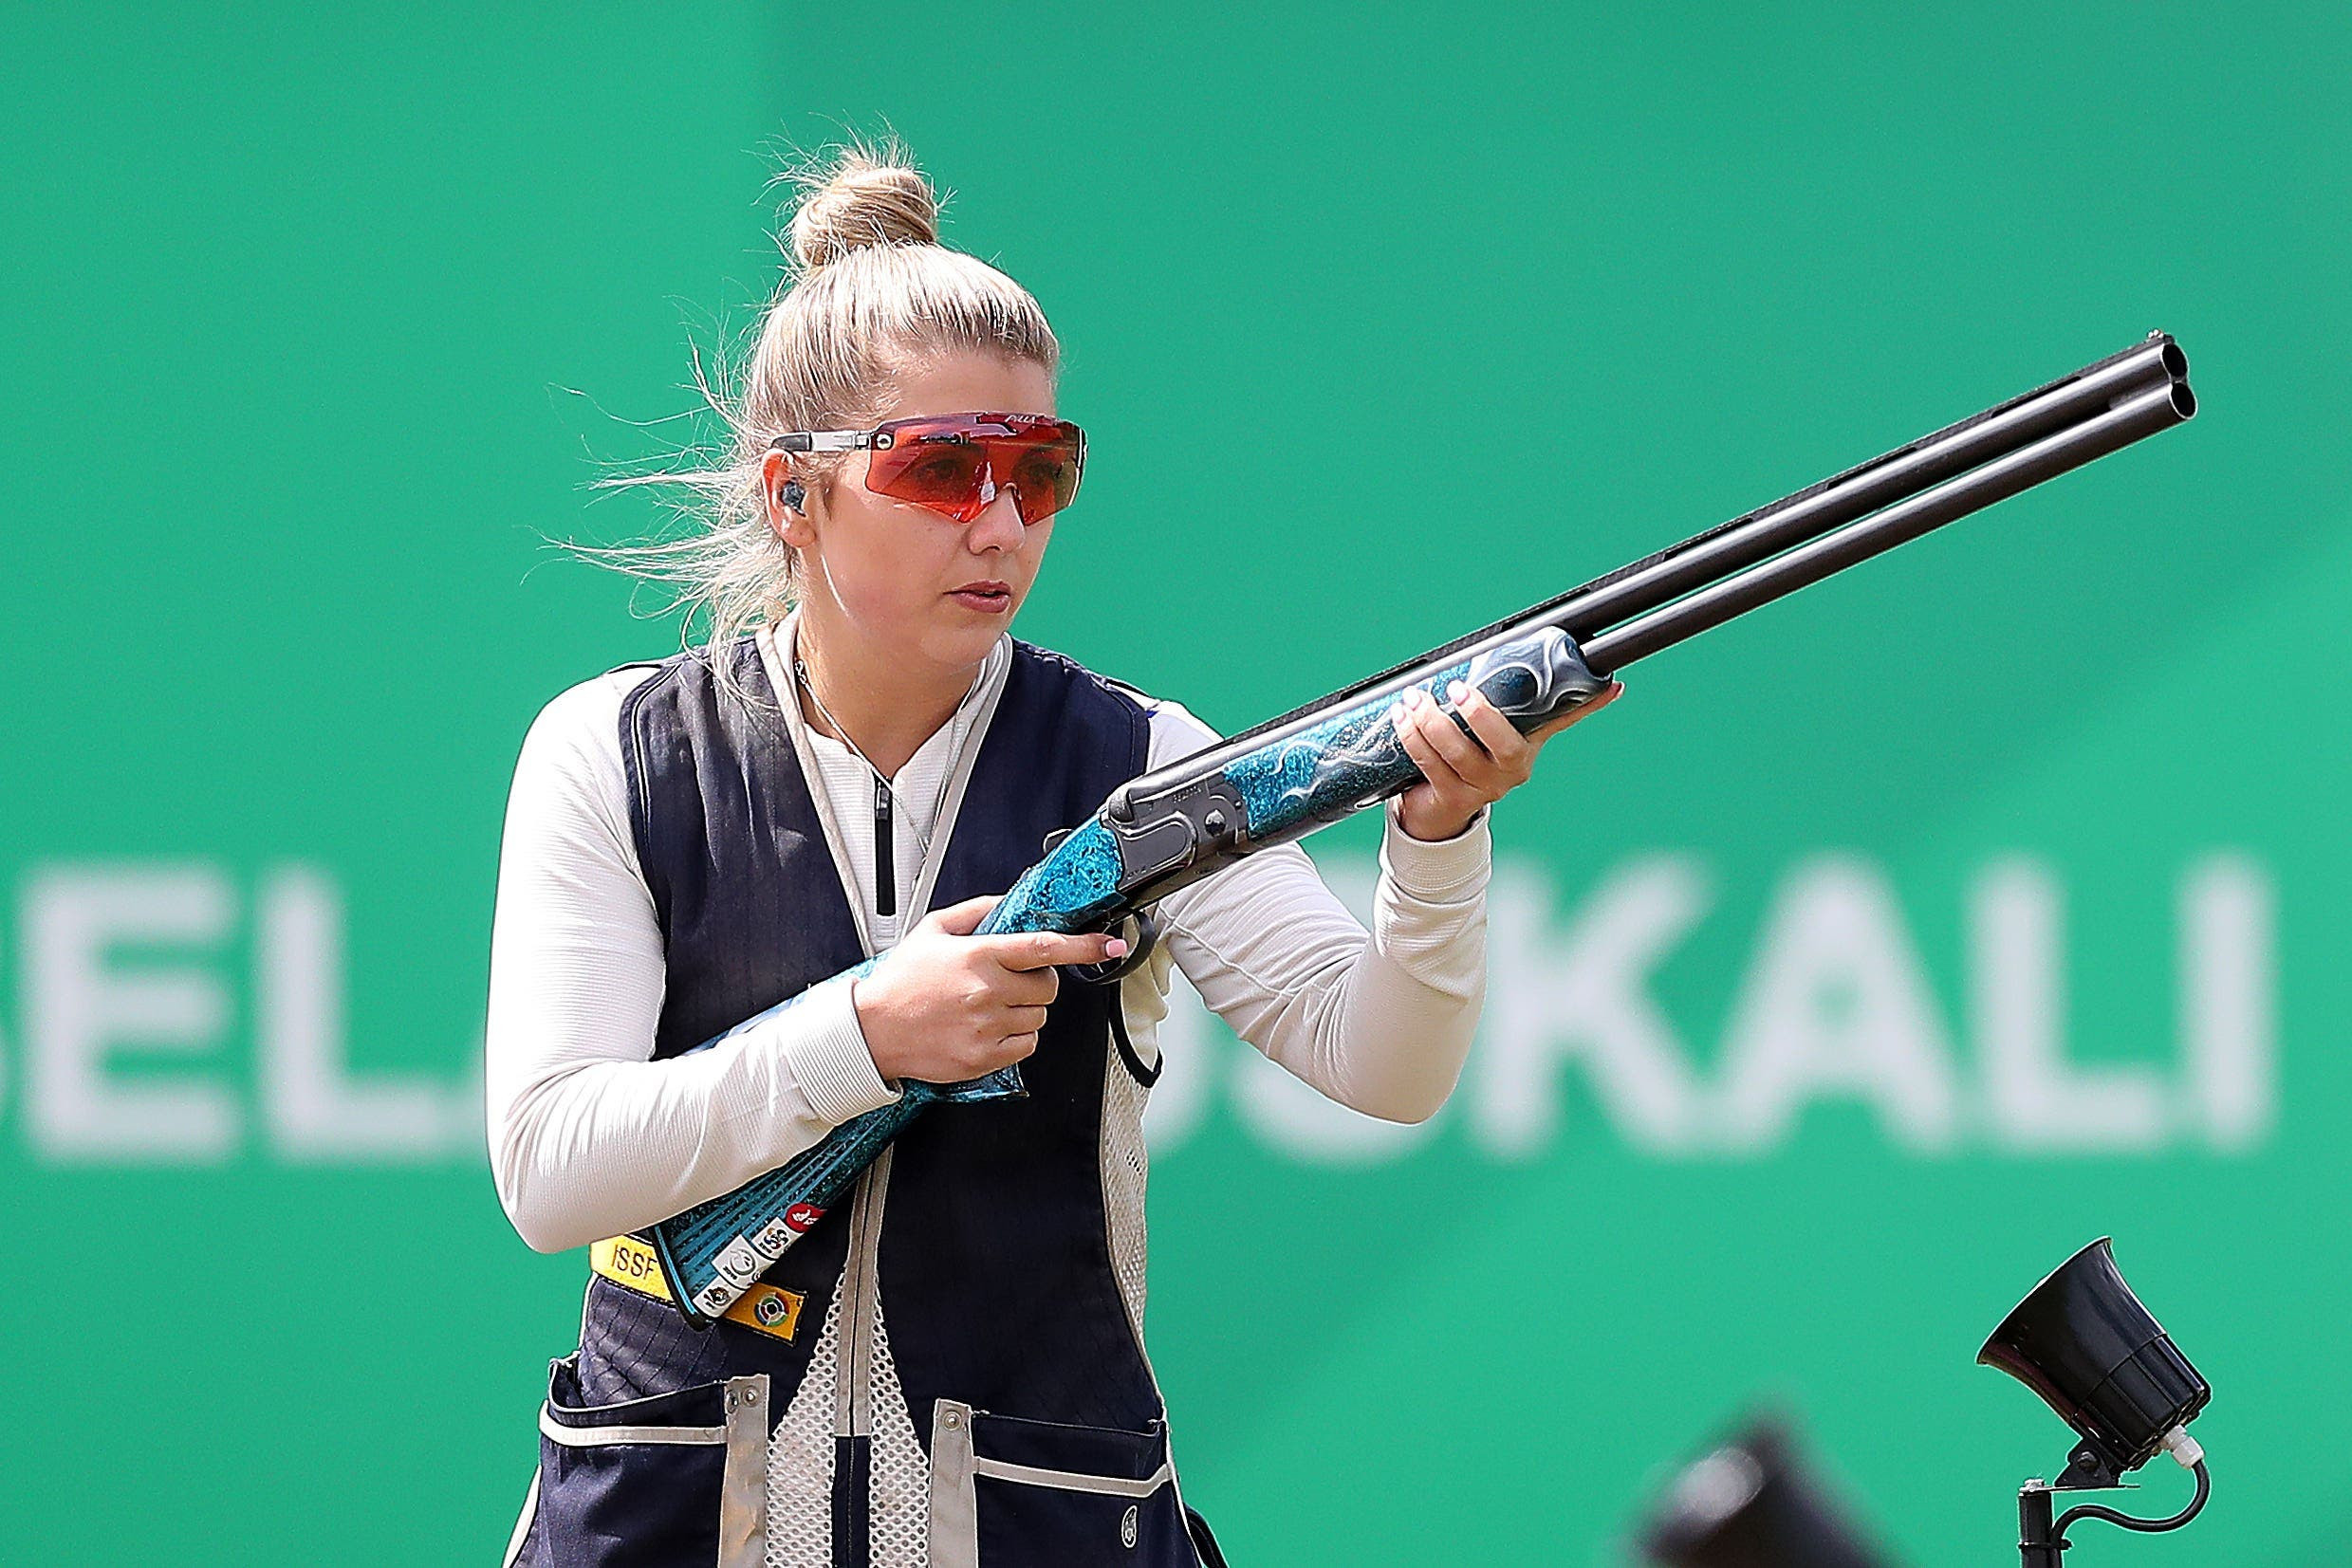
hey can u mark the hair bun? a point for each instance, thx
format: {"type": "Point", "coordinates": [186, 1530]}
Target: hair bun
{"type": "Point", "coordinates": [865, 198]}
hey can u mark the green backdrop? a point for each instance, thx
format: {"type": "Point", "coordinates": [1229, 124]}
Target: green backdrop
{"type": "Point", "coordinates": [1384, 322]}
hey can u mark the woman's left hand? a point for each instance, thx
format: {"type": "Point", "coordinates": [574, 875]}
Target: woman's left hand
{"type": "Point", "coordinates": [1461, 777]}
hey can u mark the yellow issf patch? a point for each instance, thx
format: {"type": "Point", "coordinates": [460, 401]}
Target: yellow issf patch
{"type": "Point", "coordinates": [630, 1264]}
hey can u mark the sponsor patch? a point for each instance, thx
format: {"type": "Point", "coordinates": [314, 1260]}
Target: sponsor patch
{"type": "Point", "coordinates": [771, 1238]}
{"type": "Point", "coordinates": [629, 1262]}
{"type": "Point", "coordinates": [767, 1310]}
{"type": "Point", "coordinates": [737, 1263]}
{"type": "Point", "coordinates": [763, 1309]}
{"type": "Point", "coordinates": [802, 1215]}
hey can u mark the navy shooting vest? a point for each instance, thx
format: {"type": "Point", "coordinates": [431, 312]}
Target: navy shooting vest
{"type": "Point", "coordinates": [982, 1235]}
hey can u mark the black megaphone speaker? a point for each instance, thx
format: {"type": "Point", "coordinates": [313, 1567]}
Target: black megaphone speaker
{"type": "Point", "coordinates": [2082, 1341]}
{"type": "Point", "coordinates": [1751, 1503]}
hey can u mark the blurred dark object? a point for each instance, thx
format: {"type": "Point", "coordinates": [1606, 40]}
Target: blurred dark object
{"type": "Point", "coordinates": [1753, 1503]}
{"type": "Point", "coordinates": [2082, 1341]}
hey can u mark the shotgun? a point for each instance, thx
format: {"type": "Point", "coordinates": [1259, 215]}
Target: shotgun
{"type": "Point", "coordinates": [1337, 755]}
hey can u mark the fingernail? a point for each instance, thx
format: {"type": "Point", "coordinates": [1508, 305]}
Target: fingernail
{"type": "Point", "coordinates": [1115, 947]}
{"type": "Point", "coordinates": [1415, 697]}
{"type": "Point", "coordinates": [1459, 690]}
{"type": "Point", "coordinates": [1396, 714]}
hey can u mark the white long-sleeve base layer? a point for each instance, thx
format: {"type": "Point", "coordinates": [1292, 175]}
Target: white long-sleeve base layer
{"type": "Point", "coordinates": [590, 1137]}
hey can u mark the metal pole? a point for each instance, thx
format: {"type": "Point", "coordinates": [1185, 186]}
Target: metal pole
{"type": "Point", "coordinates": [2037, 1543]}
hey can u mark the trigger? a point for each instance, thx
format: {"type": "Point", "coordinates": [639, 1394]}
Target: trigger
{"type": "Point", "coordinates": [1139, 945]}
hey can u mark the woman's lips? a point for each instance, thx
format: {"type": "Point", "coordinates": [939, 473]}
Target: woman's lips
{"type": "Point", "coordinates": [987, 598]}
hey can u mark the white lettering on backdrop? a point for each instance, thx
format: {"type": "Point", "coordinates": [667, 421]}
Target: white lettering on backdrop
{"type": "Point", "coordinates": [1833, 1005]}
{"type": "Point", "coordinates": [121, 962]}
{"type": "Point", "coordinates": [127, 1003]}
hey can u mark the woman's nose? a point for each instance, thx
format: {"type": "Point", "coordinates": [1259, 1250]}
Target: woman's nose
{"type": "Point", "coordinates": [999, 525]}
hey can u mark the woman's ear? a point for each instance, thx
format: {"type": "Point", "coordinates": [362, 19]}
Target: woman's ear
{"type": "Point", "coordinates": [785, 500]}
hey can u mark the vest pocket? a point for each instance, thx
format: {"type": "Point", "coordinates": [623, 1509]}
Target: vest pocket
{"type": "Point", "coordinates": [677, 1477]}
{"type": "Point", "coordinates": [1009, 1493]}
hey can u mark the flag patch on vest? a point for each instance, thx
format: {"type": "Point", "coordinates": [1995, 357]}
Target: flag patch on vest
{"type": "Point", "coordinates": [763, 1309]}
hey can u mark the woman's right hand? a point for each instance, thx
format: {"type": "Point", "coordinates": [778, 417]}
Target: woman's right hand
{"type": "Point", "coordinates": [944, 1006]}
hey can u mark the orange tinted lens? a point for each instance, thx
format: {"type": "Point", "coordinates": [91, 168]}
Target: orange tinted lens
{"type": "Point", "coordinates": [1046, 477]}
{"type": "Point", "coordinates": [941, 470]}
{"type": "Point", "coordinates": [955, 464]}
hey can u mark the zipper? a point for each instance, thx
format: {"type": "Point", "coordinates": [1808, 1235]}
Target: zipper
{"type": "Point", "coordinates": [862, 1302]}
{"type": "Point", "coordinates": [862, 1285]}
{"type": "Point", "coordinates": [886, 872]}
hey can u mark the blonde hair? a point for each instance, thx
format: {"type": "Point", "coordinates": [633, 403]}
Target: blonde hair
{"type": "Point", "coordinates": [866, 286]}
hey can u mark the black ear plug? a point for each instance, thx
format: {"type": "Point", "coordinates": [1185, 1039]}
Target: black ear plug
{"type": "Point", "coordinates": [792, 495]}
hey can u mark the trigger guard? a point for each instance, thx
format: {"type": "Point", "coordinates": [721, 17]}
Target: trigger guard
{"type": "Point", "coordinates": [1138, 949]}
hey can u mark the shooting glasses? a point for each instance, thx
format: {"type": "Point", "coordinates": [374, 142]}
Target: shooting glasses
{"type": "Point", "coordinates": [956, 464]}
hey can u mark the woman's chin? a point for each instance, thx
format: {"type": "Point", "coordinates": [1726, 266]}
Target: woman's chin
{"type": "Point", "coordinates": [965, 641]}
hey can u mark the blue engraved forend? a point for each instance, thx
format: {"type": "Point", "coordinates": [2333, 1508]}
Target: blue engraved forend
{"type": "Point", "coordinates": [1354, 757]}
{"type": "Point", "coordinates": [1348, 759]}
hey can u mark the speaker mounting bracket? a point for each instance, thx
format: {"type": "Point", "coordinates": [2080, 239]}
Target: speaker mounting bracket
{"type": "Point", "coordinates": [2091, 1469]}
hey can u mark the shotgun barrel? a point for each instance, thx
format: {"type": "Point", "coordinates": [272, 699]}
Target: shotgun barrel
{"type": "Point", "coordinates": [2156, 368]}
{"type": "Point", "coordinates": [1999, 433]}
{"type": "Point", "coordinates": [2136, 418]}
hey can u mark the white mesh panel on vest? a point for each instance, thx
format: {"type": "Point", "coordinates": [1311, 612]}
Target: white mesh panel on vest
{"type": "Point", "coordinates": [800, 1459]}
{"type": "Point", "coordinates": [899, 1480]}
{"type": "Point", "coordinates": [1125, 1167]}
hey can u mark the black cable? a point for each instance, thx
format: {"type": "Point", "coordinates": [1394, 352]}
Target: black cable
{"type": "Point", "coordinates": [2150, 1526]}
